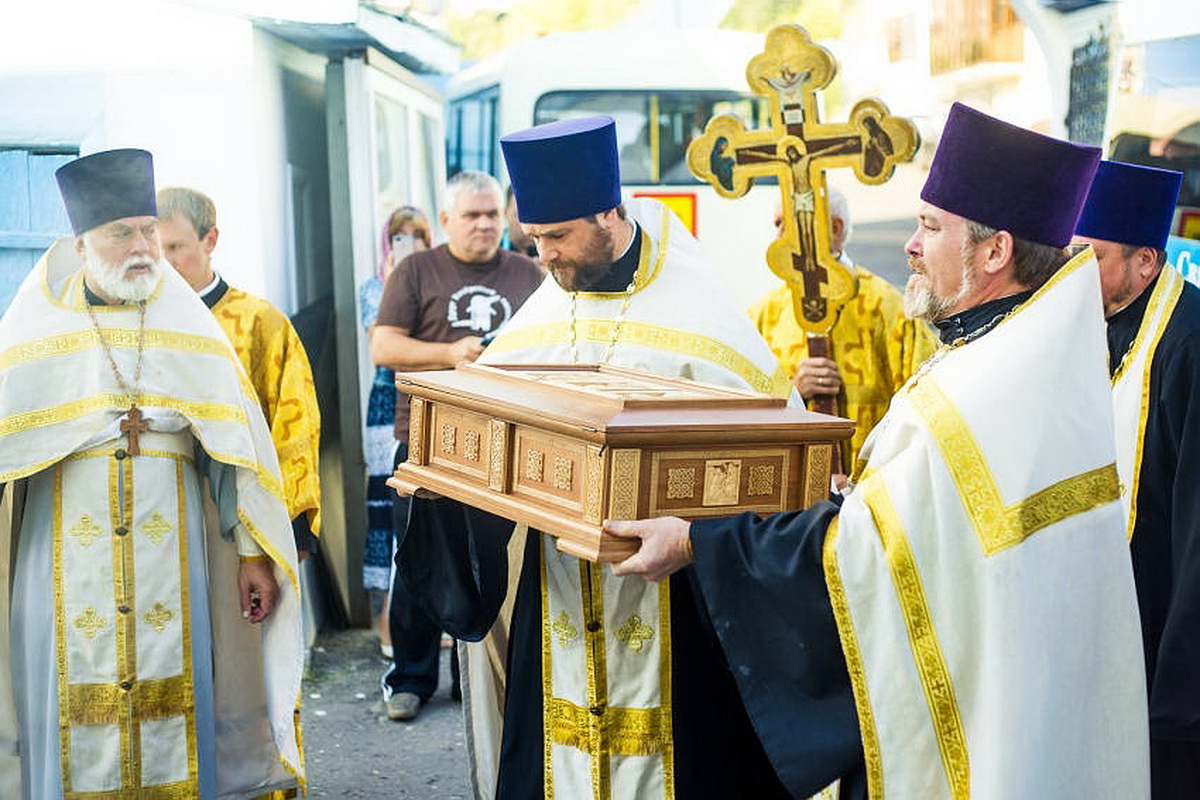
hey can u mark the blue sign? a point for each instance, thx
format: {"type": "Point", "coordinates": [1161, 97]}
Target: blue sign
{"type": "Point", "coordinates": [1185, 255]}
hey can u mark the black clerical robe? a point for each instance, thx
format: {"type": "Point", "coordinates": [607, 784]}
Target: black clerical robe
{"type": "Point", "coordinates": [454, 559]}
{"type": "Point", "coordinates": [1165, 540]}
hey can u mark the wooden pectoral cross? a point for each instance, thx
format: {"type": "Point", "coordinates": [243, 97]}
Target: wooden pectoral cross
{"type": "Point", "coordinates": [133, 425]}
{"type": "Point", "coordinates": [798, 148]}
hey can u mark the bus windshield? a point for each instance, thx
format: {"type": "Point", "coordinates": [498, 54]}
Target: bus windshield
{"type": "Point", "coordinates": [653, 154]}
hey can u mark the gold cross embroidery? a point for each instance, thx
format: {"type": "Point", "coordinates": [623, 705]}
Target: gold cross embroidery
{"type": "Point", "coordinates": [564, 630]}
{"type": "Point", "coordinates": [86, 530]}
{"type": "Point", "coordinates": [90, 623]}
{"type": "Point", "coordinates": [158, 617]}
{"type": "Point", "coordinates": [634, 634]}
{"type": "Point", "coordinates": [156, 528]}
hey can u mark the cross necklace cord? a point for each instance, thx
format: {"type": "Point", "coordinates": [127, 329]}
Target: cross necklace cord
{"type": "Point", "coordinates": [132, 423]}
{"type": "Point", "coordinates": [616, 333]}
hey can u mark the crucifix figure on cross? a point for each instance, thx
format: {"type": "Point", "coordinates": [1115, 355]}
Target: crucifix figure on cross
{"type": "Point", "coordinates": [798, 148]}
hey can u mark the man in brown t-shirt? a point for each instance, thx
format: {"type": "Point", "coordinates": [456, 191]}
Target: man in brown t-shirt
{"type": "Point", "coordinates": [438, 307]}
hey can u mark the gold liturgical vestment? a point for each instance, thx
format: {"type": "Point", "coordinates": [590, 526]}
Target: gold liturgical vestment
{"type": "Point", "coordinates": [275, 360]}
{"type": "Point", "coordinates": [128, 670]}
{"type": "Point", "coordinates": [875, 345]}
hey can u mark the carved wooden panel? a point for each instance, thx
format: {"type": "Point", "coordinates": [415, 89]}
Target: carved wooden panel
{"type": "Point", "coordinates": [498, 455]}
{"type": "Point", "coordinates": [416, 431]}
{"type": "Point", "coordinates": [456, 438]}
{"type": "Point", "coordinates": [548, 464]}
{"type": "Point", "coordinates": [816, 473]}
{"type": "Point", "coordinates": [623, 484]}
{"type": "Point", "coordinates": [699, 483]}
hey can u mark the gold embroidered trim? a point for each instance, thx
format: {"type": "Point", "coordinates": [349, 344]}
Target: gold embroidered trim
{"type": "Point", "coordinates": [124, 594]}
{"type": "Point", "coordinates": [665, 678]}
{"type": "Point", "coordinates": [109, 452]}
{"type": "Point", "coordinates": [109, 704]}
{"type": "Point", "coordinates": [628, 731]}
{"type": "Point", "coordinates": [547, 677]}
{"type": "Point", "coordinates": [854, 663]}
{"type": "Point", "coordinates": [1163, 298]}
{"type": "Point", "coordinates": [997, 526]}
{"type": "Point", "coordinates": [65, 412]}
{"type": "Point", "coordinates": [654, 337]}
{"type": "Point", "coordinates": [185, 606]}
{"type": "Point", "coordinates": [923, 639]}
{"type": "Point", "coordinates": [60, 623]}
{"type": "Point", "coordinates": [600, 743]}
{"type": "Point", "coordinates": [86, 338]}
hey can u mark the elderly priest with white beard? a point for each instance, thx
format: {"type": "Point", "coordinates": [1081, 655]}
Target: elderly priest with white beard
{"type": "Point", "coordinates": [150, 639]}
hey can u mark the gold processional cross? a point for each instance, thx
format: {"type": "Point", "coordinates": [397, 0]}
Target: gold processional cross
{"type": "Point", "coordinates": [798, 148]}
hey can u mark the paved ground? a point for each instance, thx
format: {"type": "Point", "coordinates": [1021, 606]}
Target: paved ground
{"type": "Point", "coordinates": [354, 750]}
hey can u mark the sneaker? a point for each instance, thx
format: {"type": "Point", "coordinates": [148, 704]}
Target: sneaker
{"type": "Point", "coordinates": [387, 651]}
{"type": "Point", "coordinates": [403, 706]}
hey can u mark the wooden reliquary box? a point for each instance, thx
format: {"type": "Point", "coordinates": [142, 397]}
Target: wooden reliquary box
{"type": "Point", "coordinates": [561, 448]}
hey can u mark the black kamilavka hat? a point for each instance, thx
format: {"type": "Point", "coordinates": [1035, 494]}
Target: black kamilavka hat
{"type": "Point", "coordinates": [108, 185]}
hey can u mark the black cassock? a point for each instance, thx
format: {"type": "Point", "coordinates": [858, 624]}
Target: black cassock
{"type": "Point", "coordinates": [1166, 539]}
{"type": "Point", "coordinates": [781, 640]}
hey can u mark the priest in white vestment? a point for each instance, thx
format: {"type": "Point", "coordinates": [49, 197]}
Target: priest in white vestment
{"type": "Point", "coordinates": [590, 685]}
{"type": "Point", "coordinates": [974, 584]}
{"type": "Point", "coordinates": [150, 641]}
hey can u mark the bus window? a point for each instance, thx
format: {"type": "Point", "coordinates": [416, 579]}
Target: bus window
{"type": "Point", "coordinates": [652, 154]}
{"type": "Point", "coordinates": [1180, 152]}
{"type": "Point", "coordinates": [475, 138]}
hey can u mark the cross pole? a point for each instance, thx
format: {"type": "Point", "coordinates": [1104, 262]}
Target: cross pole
{"type": "Point", "coordinates": [798, 149]}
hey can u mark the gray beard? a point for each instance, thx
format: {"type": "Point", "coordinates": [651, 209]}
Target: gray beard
{"type": "Point", "coordinates": [921, 303]}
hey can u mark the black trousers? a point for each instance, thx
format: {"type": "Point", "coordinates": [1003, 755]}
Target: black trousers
{"type": "Point", "coordinates": [416, 639]}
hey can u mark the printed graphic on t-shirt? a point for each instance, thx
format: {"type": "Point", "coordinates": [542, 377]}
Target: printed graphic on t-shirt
{"type": "Point", "coordinates": [480, 308]}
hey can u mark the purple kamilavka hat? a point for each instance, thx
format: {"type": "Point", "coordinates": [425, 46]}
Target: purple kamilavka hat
{"type": "Point", "coordinates": [1010, 178]}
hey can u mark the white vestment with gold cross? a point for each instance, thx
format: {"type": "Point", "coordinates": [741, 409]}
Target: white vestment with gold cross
{"type": "Point", "coordinates": [128, 670]}
{"type": "Point", "coordinates": [606, 640]}
{"type": "Point", "coordinates": [980, 576]}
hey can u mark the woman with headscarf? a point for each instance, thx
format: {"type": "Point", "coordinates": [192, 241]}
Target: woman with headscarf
{"type": "Point", "coordinates": [406, 231]}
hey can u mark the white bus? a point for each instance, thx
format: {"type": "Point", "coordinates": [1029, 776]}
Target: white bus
{"type": "Point", "coordinates": [661, 87]}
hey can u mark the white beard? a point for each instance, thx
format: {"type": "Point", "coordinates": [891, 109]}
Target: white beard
{"type": "Point", "coordinates": [110, 279]}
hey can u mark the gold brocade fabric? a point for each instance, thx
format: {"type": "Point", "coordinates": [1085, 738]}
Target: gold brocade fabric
{"type": "Point", "coordinates": [875, 346]}
{"type": "Point", "coordinates": [275, 360]}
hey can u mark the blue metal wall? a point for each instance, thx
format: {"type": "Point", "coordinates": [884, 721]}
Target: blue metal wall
{"type": "Point", "coordinates": [31, 213]}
